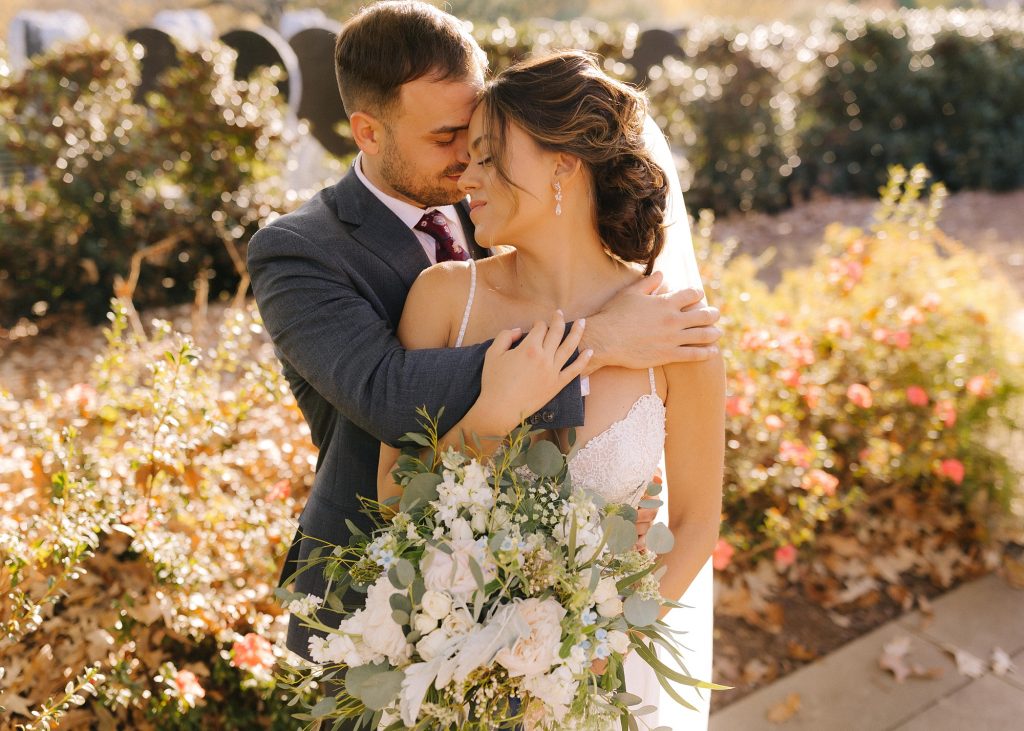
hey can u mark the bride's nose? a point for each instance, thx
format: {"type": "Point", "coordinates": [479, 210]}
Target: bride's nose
{"type": "Point", "coordinates": [467, 181]}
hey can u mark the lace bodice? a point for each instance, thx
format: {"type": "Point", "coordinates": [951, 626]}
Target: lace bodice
{"type": "Point", "coordinates": [618, 462]}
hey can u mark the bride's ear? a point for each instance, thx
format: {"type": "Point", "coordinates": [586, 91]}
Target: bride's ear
{"type": "Point", "coordinates": [567, 168]}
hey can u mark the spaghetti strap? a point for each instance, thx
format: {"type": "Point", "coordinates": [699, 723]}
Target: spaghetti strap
{"type": "Point", "coordinates": [654, 386]}
{"type": "Point", "coordinates": [469, 303]}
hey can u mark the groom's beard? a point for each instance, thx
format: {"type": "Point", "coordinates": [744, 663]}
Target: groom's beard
{"type": "Point", "coordinates": [427, 193]}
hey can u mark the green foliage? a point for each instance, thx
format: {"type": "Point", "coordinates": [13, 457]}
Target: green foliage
{"type": "Point", "coordinates": [195, 169]}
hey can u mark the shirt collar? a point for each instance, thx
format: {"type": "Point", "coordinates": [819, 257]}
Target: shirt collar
{"type": "Point", "coordinates": [407, 213]}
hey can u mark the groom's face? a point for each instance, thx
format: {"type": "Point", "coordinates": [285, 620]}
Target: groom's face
{"type": "Point", "coordinates": [424, 147]}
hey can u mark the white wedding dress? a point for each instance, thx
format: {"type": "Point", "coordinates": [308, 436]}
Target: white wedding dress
{"type": "Point", "coordinates": [617, 464]}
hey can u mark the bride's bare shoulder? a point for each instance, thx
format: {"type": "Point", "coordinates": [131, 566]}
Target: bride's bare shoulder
{"type": "Point", "coordinates": [430, 308]}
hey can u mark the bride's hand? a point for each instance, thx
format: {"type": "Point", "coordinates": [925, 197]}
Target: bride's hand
{"type": "Point", "coordinates": [517, 381]}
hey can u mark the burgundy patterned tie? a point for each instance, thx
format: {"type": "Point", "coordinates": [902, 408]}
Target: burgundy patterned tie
{"type": "Point", "coordinates": [434, 224]}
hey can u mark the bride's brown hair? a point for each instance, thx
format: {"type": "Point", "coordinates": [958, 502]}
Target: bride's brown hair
{"type": "Point", "coordinates": [566, 103]}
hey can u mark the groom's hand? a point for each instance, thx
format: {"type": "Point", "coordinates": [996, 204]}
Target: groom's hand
{"type": "Point", "coordinates": [641, 327]}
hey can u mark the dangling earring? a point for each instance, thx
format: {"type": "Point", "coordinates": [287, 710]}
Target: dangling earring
{"type": "Point", "coordinates": [558, 198]}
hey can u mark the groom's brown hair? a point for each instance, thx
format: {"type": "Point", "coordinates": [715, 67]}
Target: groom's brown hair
{"type": "Point", "coordinates": [391, 43]}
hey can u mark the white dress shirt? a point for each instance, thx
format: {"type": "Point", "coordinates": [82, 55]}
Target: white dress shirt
{"type": "Point", "coordinates": [410, 215]}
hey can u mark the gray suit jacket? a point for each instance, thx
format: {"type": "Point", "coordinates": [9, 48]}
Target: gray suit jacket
{"type": "Point", "coordinates": [330, 281]}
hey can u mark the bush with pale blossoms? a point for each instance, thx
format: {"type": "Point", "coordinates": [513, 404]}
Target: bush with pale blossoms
{"type": "Point", "coordinates": [884, 373]}
{"type": "Point", "coordinates": [143, 517]}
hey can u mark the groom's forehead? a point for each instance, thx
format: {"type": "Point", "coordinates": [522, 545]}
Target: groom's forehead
{"type": "Point", "coordinates": [440, 104]}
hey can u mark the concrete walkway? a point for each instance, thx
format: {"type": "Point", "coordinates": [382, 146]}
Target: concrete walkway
{"type": "Point", "coordinates": [848, 691]}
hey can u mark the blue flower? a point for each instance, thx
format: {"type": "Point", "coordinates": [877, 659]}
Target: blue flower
{"type": "Point", "coordinates": [602, 651]}
{"type": "Point", "coordinates": [588, 617]}
{"type": "Point", "coordinates": [601, 634]}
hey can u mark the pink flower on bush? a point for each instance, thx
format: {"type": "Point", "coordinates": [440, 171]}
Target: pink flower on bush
{"type": "Point", "coordinates": [737, 406]}
{"type": "Point", "coordinates": [782, 319]}
{"type": "Point", "coordinates": [912, 316]}
{"type": "Point", "coordinates": [953, 469]}
{"type": "Point", "coordinates": [931, 301]}
{"type": "Point", "coordinates": [821, 479]}
{"type": "Point", "coordinates": [880, 334]}
{"type": "Point", "coordinates": [773, 422]}
{"type": "Point", "coordinates": [789, 376]}
{"type": "Point", "coordinates": [785, 556]}
{"type": "Point", "coordinates": [813, 396]}
{"type": "Point", "coordinates": [279, 490]}
{"type": "Point", "coordinates": [840, 327]}
{"type": "Point", "coordinates": [945, 410]}
{"type": "Point", "coordinates": [721, 557]}
{"type": "Point", "coordinates": [900, 338]}
{"type": "Point", "coordinates": [860, 395]}
{"type": "Point", "coordinates": [980, 386]}
{"type": "Point", "coordinates": [795, 452]}
{"type": "Point", "coordinates": [755, 339]}
{"type": "Point", "coordinates": [252, 652]}
{"type": "Point", "coordinates": [188, 686]}
{"type": "Point", "coordinates": [917, 396]}
{"type": "Point", "coordinates": [81, 396]}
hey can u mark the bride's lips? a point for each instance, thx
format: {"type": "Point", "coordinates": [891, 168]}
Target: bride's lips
{"type": "Point", "coordinates": [474, 206]}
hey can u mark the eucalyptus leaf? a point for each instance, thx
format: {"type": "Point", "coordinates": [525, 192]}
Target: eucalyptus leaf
{"type": "Point", "coordinates": [421, 490]}
{"type": "Point", "coordinates": [628, 699]}
{"type": "Point", "coordinates": [544, 459]}
{"type": "Point", "coordinates": [619, 533]}
{"type": "Point", "coordinates": [323, 707]}
{"type": "Point", "coordinates": [640, 612]}
{"type": "Point", "coordinates": [659, 538]}
{"type": "Point", "coordinates": [384, 689]}
{"type": "Point", "coordinates": [400, 602]}
{"type": "Point", "coordinates": [401, 617]}
{"type": "Point", "coordinates": [650, 503]}
{"type": "Point", "coordinates": [653, 488]}
{"type": "Point", "coordinates": [406, 572]}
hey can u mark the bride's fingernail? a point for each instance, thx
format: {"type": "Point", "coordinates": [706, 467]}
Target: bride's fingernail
{"type": "Point", "coordinates": [582, 321]}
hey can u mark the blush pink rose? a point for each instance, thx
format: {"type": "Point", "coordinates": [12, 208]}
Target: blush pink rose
{"type": "Point", "coordinates": [917, 396]}
{"type": "Point", "coordinates": [721, 557]}
{"type": "Point", "coordinates": [785, 556]}
{"type": "Point", "coordinates": [252, 652]}
{"type": "Point", "coordinates": [538, 651]}
{"type": "Point", "coordinates": [945, 410]}
{"type": "Point", "coordinates": [860, 395]}
{"type": "Point", "coordinates": [953, 469]}
{"type": "Point", "coordinates": [980, 386]}
{"type": "Point", "coordinates": [188, 685]}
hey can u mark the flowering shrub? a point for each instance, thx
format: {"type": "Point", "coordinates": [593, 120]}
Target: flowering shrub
{"type": "Point", "coordinates": [875, 385]}
{"type": "Point", "coordinates": [144, 515]}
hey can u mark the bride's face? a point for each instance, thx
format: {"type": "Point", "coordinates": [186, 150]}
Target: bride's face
{"type": "Point", "coordinates": [507, 214]}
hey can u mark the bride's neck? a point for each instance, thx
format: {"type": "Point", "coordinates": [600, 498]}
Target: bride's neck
{"type": "Point", "coordinates": [567, 270]}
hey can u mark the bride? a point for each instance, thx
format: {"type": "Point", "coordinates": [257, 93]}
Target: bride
{"type": "Point", "coordinates": [572, 205]}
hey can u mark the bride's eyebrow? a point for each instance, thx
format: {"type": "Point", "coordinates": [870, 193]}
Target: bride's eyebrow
{"type": "Point", "coordinates": [477, 143]}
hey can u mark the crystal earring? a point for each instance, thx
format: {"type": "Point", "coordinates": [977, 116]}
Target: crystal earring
{"type": "Point", "coordinates": [558, 198]}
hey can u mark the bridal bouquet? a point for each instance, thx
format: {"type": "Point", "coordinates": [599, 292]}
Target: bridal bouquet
{"type": "Point", "coordinates": [491, 590]}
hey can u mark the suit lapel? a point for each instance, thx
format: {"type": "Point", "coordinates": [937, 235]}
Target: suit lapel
{"type": "Point", "coordinates": [379, 230]}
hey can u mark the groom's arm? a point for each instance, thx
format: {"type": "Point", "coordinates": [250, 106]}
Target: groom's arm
{"type": "Point", "coordinates": [335, 339]}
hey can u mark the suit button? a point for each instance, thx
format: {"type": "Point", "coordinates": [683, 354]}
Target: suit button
{"type": "Point", "coordinates": [535, 419]}
{"type": "Point", "coordinates": [548, 416]}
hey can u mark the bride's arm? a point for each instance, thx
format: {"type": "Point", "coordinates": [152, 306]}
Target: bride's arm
{"type": "Point", "coordinates": [694, 460]}
{"type": "Point", "coordinates": [514, 383]}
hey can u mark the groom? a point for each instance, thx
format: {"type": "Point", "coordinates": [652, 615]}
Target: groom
{"type": "Point", "coordinates": [331, 278]}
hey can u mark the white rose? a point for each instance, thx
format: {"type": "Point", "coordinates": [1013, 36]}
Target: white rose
{"type": "Point", "coordinates": [458, 622]}
{"type": "Point", "coordinates": [610, 608]}
{"type": "Point", "coordinates": [451, 572]}
{"type": "Point", "coordinates": [556, 690]}
{"type": "Point", "coordinates": [424, 623]}
{"type": "Point", "coordinates": [475, 477]}
{"type": "Point", "coordinates": [606, 589]}
{"type": "Point", "coordinates": [538, 651]}
{"type": "Point", "coordinates": [430, 645]}
{"type": "Point", "coordinates": [479, 522]}
{"type": "Point", "coordinates": [380, 631]}
{"type": "Point", "coordinates": [618, 641]}
{"type": "Point", "coordinates": [437, 604]}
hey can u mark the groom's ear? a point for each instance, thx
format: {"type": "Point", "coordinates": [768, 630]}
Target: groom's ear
{"type": "Point", "coordinates": [366, 132]}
